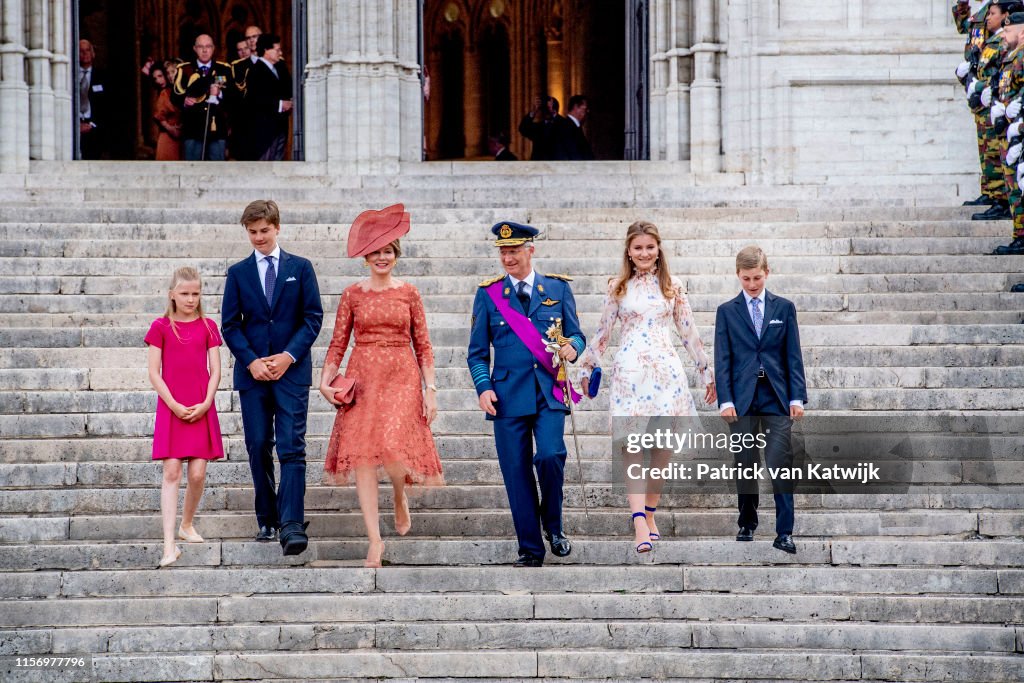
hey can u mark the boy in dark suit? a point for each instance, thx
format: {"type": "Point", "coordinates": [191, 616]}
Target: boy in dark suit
{"type": "Point", "coordinates": [270, 318]}
{"type": "Point", "coordinates": [759, 371]}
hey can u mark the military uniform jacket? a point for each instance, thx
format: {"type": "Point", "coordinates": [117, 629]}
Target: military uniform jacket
{"type": "Point", "coordinates": [971, 26]}
{"type": "Point", "coordinates": [515, 368]}
{"type": "Point", "coordinates": [191, 83]}
{"type": "Point", "coordinates": [989, 68]}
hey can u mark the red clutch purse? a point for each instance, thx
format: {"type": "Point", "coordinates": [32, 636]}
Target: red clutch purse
{"type": "Point", "coordinates": [346, 389]}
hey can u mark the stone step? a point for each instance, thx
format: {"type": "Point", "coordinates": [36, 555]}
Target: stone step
{"type": "Point", "coordinates": [600, 522]}
{"type": "Point", "coordinates": [452, 447]}
{"type": "Point", "coordinates": [489, 497]}
{"type": "Point", "coordinates": [611, 229]}
{"type": "Point", "coordinates": [894, 551]}
{"type": "Point", "coordinates": [437, 286]}
{"type": "Point", "coordinates": [596, 269]}
{"type": "Point", "coordinates": [485, 251]}
{"type": "Point", "coordinates": [137, 379]}
{"type": "Point", "coordinates": [564, 579]}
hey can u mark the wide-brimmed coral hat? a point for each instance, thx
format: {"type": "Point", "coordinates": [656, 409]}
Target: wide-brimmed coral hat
{"type": "Point", "coordinates": [372, 230]}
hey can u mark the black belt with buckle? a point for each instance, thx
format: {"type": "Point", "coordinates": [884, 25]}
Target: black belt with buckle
{"type": "Point", "coordinates": [761, 374]}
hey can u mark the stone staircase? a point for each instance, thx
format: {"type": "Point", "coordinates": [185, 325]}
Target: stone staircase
{"type": "Point", "coordinates": [901, 312]}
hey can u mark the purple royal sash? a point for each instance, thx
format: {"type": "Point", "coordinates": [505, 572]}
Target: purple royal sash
{"type": "Point", "coordinates": [527, 333]}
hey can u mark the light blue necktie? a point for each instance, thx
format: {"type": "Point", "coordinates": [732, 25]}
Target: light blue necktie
{"type": "Point", "coordinates": [758, 316]}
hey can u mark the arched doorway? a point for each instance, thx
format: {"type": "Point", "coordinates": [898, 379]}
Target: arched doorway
{"type": "Point", "coordinates": [127, 35]}
{"type": "Point", "coordinates": [514, 51]}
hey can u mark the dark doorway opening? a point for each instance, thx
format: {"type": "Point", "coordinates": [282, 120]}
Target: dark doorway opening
{"type": "Point", "coordinates": [498, 56]}
{"type": "Point", "coordinates": [128, 34]}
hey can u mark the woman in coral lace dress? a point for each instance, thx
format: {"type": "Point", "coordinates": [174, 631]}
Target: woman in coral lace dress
{"type": "Point", "coordinates": [647, 376]}
{"type": "Point", "coordinates": [385, 429]}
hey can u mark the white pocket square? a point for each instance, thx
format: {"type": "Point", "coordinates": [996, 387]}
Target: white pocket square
{"type": "Point", "coordinates": [775, 321]}
{"type": "Point", "coordinates": [291, 279]}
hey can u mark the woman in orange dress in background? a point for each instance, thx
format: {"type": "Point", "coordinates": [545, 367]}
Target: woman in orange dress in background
{"type": "Point", "coordinates": [385, 429]}
{"type": "Point", "coordinates": [167, 117]}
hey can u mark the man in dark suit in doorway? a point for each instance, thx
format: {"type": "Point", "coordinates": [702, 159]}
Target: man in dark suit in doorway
{"type": "Point", "coordinates": [759, 371]}
{"type": "Point", "coordinates": [271, 315]}
{"type": "Point", "coordinates": [92, 104]}
{"type": "Point", "coordinates": [571, 142]}
{"type": "Point", "coordinates": [268, 100]}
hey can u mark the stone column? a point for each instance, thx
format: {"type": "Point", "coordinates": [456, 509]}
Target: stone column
{"type": "Point", "coordinates": [671, 66]}
{"type": "Point", "coordinates": [370, 122]}
{"type": "Point", "coordinates": [706, 92]}
{"type": "Point", "coordinates": [14, 149]}
{"type": "Point", "coordinates": [40, 93]}
{"type": "Point", "coordinates": [318, 15]}
{"type": "Point", "coordinates": [61, 80]}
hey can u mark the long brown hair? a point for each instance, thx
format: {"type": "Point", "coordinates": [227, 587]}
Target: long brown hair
{"type": "Point", "coordinates": [664, 276]}
{"type": "Point", "coordinates": [183, 274]}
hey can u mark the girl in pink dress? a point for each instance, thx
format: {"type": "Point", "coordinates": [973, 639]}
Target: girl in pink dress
{"type": "Point", "coordinates": [184, 368]}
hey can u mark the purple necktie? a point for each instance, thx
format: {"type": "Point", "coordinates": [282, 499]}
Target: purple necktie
{"type": "Point", "coordinates": [270, 280]}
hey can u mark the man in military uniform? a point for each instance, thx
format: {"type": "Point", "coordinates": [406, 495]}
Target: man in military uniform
{"type": "Point", "coordinates": [973, 26]}
{"type": "Point", "coordinates": [201, 91]}
{"type": "Point", "coordinates": [982, 90]}
{"type": "Point", "coordinates": [518, 313]}
{"type": "Point", "coordinates": [1007, 120]}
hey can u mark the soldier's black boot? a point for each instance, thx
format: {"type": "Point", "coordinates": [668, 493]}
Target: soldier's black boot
{"type": "Point", "coordinates": [1014, 248]}
{"type": "Point", "coordinates": [1019, 287]}
{"type": "Point", "coordinates": [997, 212]}
{"type": "Point", "coordinates": [982, 200]}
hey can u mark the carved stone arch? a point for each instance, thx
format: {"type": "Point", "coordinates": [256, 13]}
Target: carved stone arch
{"type": "Point", "coordinates": [236, 15]}
{"type": "Point", "coordinates": [441, 25]}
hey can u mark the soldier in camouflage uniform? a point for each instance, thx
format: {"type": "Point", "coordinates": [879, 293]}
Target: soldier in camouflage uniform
{"type": "Point", "coordinates": [973, 26]}
{"type": "Point", "coordinates": [1006, 119]}
{"type": "Point", "coordinates": [982, 90]}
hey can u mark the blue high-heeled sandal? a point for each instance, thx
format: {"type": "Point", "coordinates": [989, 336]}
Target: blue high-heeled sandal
{"type": "Point", "coordinates": [654, 536]}
{"type": "Point", "coordinates": [645, 546]}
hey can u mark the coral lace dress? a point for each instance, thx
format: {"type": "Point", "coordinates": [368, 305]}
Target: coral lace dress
{"type": "Point", "coordinates": [385, 422]}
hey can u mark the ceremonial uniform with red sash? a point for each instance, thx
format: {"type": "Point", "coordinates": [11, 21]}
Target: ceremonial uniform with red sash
{"type": "Point", "coordinates": [530, 405]}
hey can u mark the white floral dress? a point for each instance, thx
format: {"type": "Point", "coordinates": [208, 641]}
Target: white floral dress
{"type": "Point", "coordinates": [647, 377]}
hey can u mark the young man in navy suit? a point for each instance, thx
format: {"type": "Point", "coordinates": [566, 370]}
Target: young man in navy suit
{"type": "Point", "coordinates": [759, 371]}
{"type": "Point", "coordinates": [270, 318]}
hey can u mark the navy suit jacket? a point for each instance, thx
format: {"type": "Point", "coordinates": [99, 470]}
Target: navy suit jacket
{"type": "Point", "coordinates": [254, 329]}
{"type": "Point", "coordinates": [515, 368]}
{"type": "Point", "coordinates": [739, 353]}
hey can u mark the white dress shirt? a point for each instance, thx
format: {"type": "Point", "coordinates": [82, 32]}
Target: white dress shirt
{"type": "Point", "coordinates": [528, 289]}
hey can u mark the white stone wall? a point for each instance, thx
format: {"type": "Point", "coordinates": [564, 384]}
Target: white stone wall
{"type": "Point", "coordinates": [844, 91]}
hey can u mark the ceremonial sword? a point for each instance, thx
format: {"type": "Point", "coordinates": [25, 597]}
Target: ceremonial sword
{"type": "Point", "coordinates": [563, 377]}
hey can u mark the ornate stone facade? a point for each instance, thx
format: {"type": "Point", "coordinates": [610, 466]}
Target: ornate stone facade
{"type": "Point", "coordinates": [795, 91]}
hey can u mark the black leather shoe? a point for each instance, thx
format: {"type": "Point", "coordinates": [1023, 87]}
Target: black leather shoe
{"type": "Point", "coordinates": [1019, 287]}
{"type": "Point", "coordinates": [982, 200]}
{"type": "Point", "coordinates": [996, 212]}
{"type": "Point", "coordinates": [293, 538]}
{"type": "Point", "coordinates": [560, 545]}
{"type": "Point", "coordinates": [784, 542]}
{"type": "Point", "coordinates": [745, 534]}
{"type": "Point", "coordinates": [1014, 248]}
{"type": "Point", "coordinates": [528, 561]}
{"type": "Point", "coordinates": [266, 534]}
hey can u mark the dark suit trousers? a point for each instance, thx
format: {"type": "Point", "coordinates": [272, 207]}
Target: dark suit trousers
{"type": "Point", "coordinates": [276, 409]}
{"type": "Point", "coordinates": [514, 438]}
{"type": "Point", "coordinates": [769, 416]}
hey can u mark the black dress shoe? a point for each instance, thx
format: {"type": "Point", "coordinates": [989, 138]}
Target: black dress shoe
{"type": "Point", "coordinates": [1014, 248]}
{"type": "Point", "coordinates": [560, 545]}
{"type": "Point", "coordinates": [528, 561]}
{"type": "Point", "coordinates": [982, 200]}
{"type": "Point", "coordinates": [266, 534]}
{"type": "Point", "coordinates": [1019, 287]}
{"type": "Point", "coordinates": [745, 534]}
{"type": "Point", "coordinates": [784, 542]}
{"type": "Point", "coordinates": [996, 212]}
{"type": "Point", "coordinates": [293, 538]}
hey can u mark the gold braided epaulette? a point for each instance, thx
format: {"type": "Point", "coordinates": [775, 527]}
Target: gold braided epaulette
{"type": "Point", "coordinates": [490, 281]}
{"type": "Point", "coordinates": [559, 276]}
